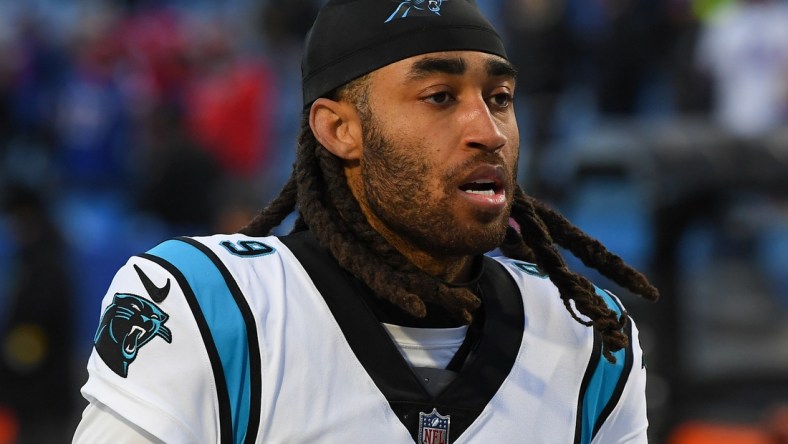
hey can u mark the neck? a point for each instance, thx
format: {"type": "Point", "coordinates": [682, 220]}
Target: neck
{"type": "Point", "coordinates": [452, 269]}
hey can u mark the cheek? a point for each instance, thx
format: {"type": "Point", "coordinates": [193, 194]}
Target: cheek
{"type": "Point", "coordinates": [511, 130]}
{"type": "Point", "coordinates": [513, 147]}
{"type": "Point", "coordinates": [513, 154]}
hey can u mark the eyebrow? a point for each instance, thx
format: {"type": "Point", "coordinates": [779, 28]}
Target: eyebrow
{"type": "Point", "coordinates": [501, 68]}
{"type": "Point", "coordinates": [436, 65]}
{"type": "Point", "coordinates": [457, 66]}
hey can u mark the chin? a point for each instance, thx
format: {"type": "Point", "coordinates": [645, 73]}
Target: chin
{"type": "Point", "coordinates": [479, 219]}
{"type": "Point", "coordinates": [480, 237]}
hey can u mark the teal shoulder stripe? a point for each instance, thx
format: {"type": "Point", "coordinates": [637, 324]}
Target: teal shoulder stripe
{"type": "Point", "coordinates": [604, 382]}
{"type": "Point", "coordinates": [224, 321]}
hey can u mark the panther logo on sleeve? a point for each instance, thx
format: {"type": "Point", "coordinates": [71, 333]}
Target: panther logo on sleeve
{"type": "Point", "coordinates": [126, 325]}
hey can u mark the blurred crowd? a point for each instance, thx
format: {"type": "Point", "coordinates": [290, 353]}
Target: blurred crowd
{"type": "Point", "coordinates": [659, 126]}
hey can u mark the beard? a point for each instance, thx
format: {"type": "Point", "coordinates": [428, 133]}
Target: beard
{"type": "Point", "coordinates": [398, 191]}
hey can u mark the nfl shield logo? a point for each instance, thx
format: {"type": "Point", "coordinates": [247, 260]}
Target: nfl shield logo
{"type": "Point", "coordinates": [433, 428]}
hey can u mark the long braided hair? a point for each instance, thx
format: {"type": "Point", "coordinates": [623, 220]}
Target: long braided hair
{"type": "Point", "coordinates": [318, 189]}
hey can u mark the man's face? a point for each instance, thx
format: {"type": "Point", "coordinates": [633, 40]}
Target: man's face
{"type": "Point", "coordinates": [440, 151]}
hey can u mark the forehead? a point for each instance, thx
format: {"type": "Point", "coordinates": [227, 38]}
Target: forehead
{"type": "Point", "coordinates": [448, 63]}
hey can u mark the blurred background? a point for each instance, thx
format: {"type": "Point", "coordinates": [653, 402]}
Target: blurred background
{"type": "Point", "coordinates": [660, 127]}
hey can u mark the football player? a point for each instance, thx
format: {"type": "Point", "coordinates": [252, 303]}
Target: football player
{"type": "Point", "coordinates": [383, 316]}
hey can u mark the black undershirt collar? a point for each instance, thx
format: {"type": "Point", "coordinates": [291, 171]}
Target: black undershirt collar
{"type": "Point", "coordinates": [489, 359]}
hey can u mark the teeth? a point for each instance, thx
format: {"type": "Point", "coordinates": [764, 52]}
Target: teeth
{"type": "Point", "coordinates": [481, 187]}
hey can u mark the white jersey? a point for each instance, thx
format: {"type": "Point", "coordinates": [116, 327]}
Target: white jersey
{"type": "Point", "coordinates": [232, 339]}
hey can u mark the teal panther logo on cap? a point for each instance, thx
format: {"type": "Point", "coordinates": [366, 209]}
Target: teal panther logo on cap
{"type": "Point", "coordinates": [409, 8]}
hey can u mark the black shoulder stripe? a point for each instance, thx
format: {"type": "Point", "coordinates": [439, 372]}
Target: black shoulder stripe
{"type": "Point", "coordinates": [251, 331]}
{"type": "Point", "coordinates": [604, 381]}
{"type": "Point", "coordinates": [225, 413]}
{"type": "Point", "coordinates": [622, 382]}
{"type": "Point", "coordinates": [596, 354]}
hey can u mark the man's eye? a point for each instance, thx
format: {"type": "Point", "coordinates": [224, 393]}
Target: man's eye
{"type": "Point", "coordinates": [440, 98]}
{"type": "Point", "coordinates": [501, 100]}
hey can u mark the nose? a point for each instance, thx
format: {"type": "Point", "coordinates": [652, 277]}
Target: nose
{"type": "Point", "coordinates": [482, 130]}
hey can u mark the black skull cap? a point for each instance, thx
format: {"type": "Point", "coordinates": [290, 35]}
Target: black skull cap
{"type": "Point", "coordinates": [351, 38]}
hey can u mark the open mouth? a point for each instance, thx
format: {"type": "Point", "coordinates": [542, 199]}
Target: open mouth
{"type": "Point", "coordinates": [483, 187]}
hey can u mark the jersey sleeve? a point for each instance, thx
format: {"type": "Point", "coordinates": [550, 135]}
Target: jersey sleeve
{"type": "Point", "coordinates": [99, 425]}
{"type": "Point", "coordinates": [149, 364]}
{"type": "Point", "coordinates": [610, 399]}
{"type": "Point", "coordinates": [625, 417]}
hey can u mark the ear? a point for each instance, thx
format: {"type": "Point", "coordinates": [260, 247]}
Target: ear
{"type": "Point", "coordinates": [336, 125]}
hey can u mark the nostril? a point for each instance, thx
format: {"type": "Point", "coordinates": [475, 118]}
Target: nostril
{"type": "Point", "coordinates": [489, 147]}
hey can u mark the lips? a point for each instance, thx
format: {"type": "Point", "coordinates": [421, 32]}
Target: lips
{"type": "Point", "coordinates": [486, 180]}
{"type": "Point", "coordinates": [485, 186]}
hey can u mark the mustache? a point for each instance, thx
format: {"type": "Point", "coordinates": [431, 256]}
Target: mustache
{"type": "Point", "coordinates": [483, 158]}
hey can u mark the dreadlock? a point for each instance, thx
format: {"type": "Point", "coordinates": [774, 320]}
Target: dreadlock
{"type": "Point", "coordinates": [542, 228]}
{"type": "Point", "coordinates": [327, 207]}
